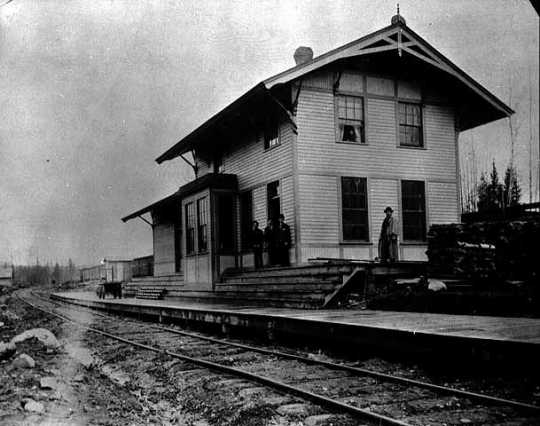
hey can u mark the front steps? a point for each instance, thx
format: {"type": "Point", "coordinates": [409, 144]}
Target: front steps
{"type": "Point", "coordinates": [154, 288]}
{"type": "Point", "coordinates": [302, 286]}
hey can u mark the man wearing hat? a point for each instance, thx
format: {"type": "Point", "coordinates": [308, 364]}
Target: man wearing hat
{"type": "Point", "coordinates": [388, 247]}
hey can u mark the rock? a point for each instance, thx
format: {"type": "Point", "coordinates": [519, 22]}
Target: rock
{"type": "Point", "coordinates": [23, 361]}
{"type": "Point", "coordinates": [7, 350]}
{"type": "Point", "coordinates": [116, 375]}
{"type": "Point", "coordinates": [318, 420]}
{"type": "Point", "coordinates": [80, 354]}
{"type": "Point", "coordinates": [436, 285]}
{"type": "Point", "coordinates": [48, 383]}
{"type": "Point", "coordinates": [9, 315]}
{"type": "Point", "coordinates": [42, 334]}
{"type": "Point", "coordinates": [34, 406]}
{"type": "Point", "coordinates": [1, 324]}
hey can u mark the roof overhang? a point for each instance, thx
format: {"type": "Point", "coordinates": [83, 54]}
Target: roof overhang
{"type": "Point", "coordinates": [247, 112]}
{"type": "Point", "coordinates": [481, 106]}
{"type": "Point", "coordinates": [208, 181]}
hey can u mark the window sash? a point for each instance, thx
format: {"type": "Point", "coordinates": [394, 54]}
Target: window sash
{"type": "Point", "coordinates": [202, 224]}
{"type": "Point", "coordinates": [350, 118]}
{"type": "Point", "coordinates": [190, 228]}
{"type": "Point", "coordinates": [410, 124]}
{"type": "Point", "coordinates": [413, 206]}
{"type": "Point", "coordinates": [354, 209]}
{"type": "Point", "coordinates": [271, 136]}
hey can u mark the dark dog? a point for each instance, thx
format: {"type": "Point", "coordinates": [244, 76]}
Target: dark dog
{"type": "Point", "coordinates": [114, 289]}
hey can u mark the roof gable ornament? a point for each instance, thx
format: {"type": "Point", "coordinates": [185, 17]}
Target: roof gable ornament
{"type": "Point", "coordinates": [398, 19]}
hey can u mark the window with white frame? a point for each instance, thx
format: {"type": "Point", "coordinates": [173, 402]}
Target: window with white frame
{"type": "Point", "coordinates": [413, 206]}
{"type": "Point", "coordinates": [354, 209]}
{"type": "Point", "coordinates": [271, 135]}
{"type": "Point", "coordinates": [202, 224]}
{"type": "Point", "coordinates": [410, 124]}
{"type": "Point", "coordinates": [190, 228]}
{"type": "Point", "coordinates": [350, 119]}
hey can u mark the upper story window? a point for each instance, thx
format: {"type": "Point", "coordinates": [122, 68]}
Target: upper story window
{"type": "Point", "coordinates": [350, 119]}
{"type": "Point", "coordinates": [354, 209]}
{"type": "Point", "coordinates": [413, 205]}
{"type": "Point", "coordinates": [218, 163]}
{"type": "Point", "coordinates": [271, 135]}
{"type": "Point", "coordinates": [410, 124]}
{"type": "Point", "coordinates": [202, 224]}
{"type": "Point", "coordinates": [190, 228]}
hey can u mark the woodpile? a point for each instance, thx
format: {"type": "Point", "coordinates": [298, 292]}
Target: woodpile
{"type": "Point", "coordinates": [486, 251]}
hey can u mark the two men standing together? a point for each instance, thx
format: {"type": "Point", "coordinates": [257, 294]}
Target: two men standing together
{"type": "Point", "coordinates": [277, 240]}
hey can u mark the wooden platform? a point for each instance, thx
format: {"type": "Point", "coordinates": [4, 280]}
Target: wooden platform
{"type": "Point", "coordinates": [455, 336]}
{"type": "Point", "coordinates": [321, 283]}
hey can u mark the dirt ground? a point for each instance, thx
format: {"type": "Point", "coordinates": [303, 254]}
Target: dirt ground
{"type": "Point", "coordinates": [90, 380]}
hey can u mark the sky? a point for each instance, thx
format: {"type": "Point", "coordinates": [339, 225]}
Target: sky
{"type": "Point", "coordinates": [93, 91]}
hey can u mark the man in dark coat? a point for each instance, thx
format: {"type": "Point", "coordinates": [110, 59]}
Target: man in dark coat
{"type": "Point", "coordinates": [283, 241]}
{"type": "Point", "coordinates": [257, 243]}
{"type": "Point", "coordinates": [388, 240]}
{"type": "Point", "coordinates": [270, 242]}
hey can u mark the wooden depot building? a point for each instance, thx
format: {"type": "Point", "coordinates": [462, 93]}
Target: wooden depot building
{"type": "Point", "coordinates": [329, 143]}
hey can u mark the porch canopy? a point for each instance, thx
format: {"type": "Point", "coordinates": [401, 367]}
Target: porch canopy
{"type": "Point", "coordinates": [208, 181]}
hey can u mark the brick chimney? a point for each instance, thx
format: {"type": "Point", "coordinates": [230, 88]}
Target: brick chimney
{"type": "Point", "coordinates": [303, 54]}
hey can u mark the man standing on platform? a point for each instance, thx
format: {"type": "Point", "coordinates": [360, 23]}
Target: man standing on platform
{"type": "Point", "coordinates": [270, 242]}
{"type": "Point", "coordinates": [257, 242]}
{"type": "Point", "coordinates": [283, 241]}
{"type": "Point", "coordinates": [388, 246]}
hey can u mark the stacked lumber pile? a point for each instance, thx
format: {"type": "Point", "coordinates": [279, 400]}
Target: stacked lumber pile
{"type": "Point", "coordinates": [486, 251]}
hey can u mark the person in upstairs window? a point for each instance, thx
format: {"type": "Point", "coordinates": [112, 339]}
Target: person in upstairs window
{"type": "Point", "coordinates": [270, 242]}
{"type": "Point", "coordinates": [283, 241]}
{"type": "Point", "coordinates": [257, 243]}
{"type": "Point", "coordinates": [388, 240]}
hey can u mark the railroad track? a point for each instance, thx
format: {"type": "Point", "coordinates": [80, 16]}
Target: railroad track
{"type": "Point", "coordinates": [368, 395]}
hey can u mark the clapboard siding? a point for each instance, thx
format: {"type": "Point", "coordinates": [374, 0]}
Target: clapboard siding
{"type": "Point", "coordinates": [382, 193]}
{"type": "Point", "coordinates": [287, 203]}
{"type": "Point", "coordinates": [286, 186]}
{"type": "Point", "coordinates": [253, 165]}
{"type": "Point", "coordinates": [203, 167]}
{"type": "Point", "coordinates": [319, 153]}
{"type": "Point", "coordinates": [442, 203]}
{"type": "Point", "coordinates": [319, 80]}
{"type": "Point", "coordinates": [259, 205]}
{"type": "Point", "coordinates": [307, 253]}
{"type": "Point", "coordinates": [163, 249]}
{"type": "Point", "coordinates": [319, 209]}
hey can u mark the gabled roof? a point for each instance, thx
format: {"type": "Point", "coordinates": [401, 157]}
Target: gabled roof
{"type": "Point", "coordinates": [396, 37]}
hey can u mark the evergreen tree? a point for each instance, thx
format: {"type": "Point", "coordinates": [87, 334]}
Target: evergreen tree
{"type": "Point", "coordinates": [512, 190]}
{"type": "Point", "coordinates": [57, 274]}
{"type": "Point", "coordinates": [483, 202]}
{"type": "Point", "coordinates": [490, 195]}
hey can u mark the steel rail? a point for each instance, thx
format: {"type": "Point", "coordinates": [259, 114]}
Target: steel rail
{"type": "Point", "coordinates": [480, 397]}
{"type": "Point", "coordinates": [293, 390]}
